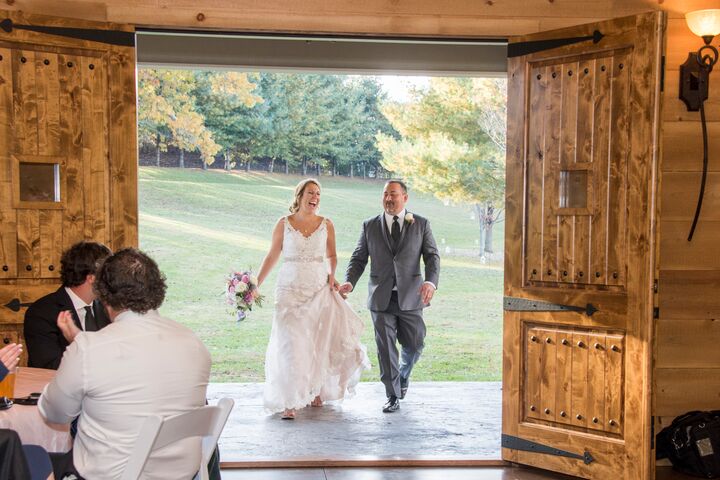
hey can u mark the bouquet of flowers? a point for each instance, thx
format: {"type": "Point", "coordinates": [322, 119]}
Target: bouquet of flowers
{"type": "Point", "coordinates": [242, 293]}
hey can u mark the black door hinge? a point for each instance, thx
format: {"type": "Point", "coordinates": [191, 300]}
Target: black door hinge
{"type": "Point", "coordinates": [517, 443]}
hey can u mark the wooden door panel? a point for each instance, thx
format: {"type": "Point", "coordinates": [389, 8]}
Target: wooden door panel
{"type": "Point", "coordinates": [574, 378]}
{"type": "Point", "coordinates": [51, 228]}
{"type": "Point", "coordinates": [95, 147]}
{"type": "Point", "coordinates": [564, 143]}
{"type": "Point", "coordinates": [25, 94]}
{"type": "Point", "coordinates": [28, 238]}
{"type": "Point", "coordinates": [580, 233]}
{"type": "Point", "coordinates": [8, 227]}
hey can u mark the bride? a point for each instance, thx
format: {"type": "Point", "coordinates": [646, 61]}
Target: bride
{"type": "Point", "coordinates": [314, 353]}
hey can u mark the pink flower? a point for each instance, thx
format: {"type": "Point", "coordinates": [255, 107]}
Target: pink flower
{"type": "Point", "coordinates": [248, 298]}
{"type": "Point", "coordinates": [245, 279]}
{"type": "Point", "coordinates": [235, 281]}
{"type": "Point", "coordinates": [231, 290]}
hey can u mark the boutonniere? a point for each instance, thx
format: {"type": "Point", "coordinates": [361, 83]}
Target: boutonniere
{"type": "Point", "coordinates": [409, 218]}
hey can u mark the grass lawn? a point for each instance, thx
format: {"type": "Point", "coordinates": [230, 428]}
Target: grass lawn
{"type": "Point", "coordinates": [199, 225]}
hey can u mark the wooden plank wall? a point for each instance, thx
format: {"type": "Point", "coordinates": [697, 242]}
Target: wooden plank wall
{"type": "Point", "coordinates": [687, 362]}
{"type": "Point", "coordinates": [687, 374]}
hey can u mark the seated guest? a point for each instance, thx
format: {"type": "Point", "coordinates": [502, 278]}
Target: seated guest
{"type": "Point", "coordinates": [43, 339]}
{"type": "Point", "coordinates": [19, 461]}
{"type": "Point", "coordinates": [141, 364]}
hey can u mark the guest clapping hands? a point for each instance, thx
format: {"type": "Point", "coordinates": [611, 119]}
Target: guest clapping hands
{"type": "Point", "coordinates": [9, 358]}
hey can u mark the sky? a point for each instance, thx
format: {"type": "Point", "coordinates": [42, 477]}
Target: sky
{"type": "Point", "coordinates": [397, 87]}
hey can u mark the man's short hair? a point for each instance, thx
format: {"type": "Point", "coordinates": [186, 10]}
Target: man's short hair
{"type": "Point", "coordinates": [81, 260]}
{"type": "Point", "coordinates": [130, 280]}
{"type": "Point", "coordinates": [399, 182]}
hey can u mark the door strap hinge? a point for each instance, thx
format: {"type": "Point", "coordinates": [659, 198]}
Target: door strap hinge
{"type": "Point", "coordinates": [517, 443]}
{"type": "Point", "coordinates": [525, 48]}
{"type": "Point", "coordinates": [111, 37]}
{"type": "Point", "coordinates": [15, 305]}
{"type": "Point", "coordinates": [515, 304]}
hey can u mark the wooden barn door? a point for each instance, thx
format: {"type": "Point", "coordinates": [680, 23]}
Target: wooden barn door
{"type": "Point", "coordinates": [67, 150]}
{"type": "Point", "coordinates": [583, 107]}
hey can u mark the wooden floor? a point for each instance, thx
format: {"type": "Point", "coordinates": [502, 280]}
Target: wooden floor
{"type": "Point", "coordinates": [508, 473]}
{"type": "Point", "coordinates": [436, 421]}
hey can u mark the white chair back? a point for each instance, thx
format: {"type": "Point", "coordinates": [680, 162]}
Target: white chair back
{"type": "Point", "coordinates": [207, 422]}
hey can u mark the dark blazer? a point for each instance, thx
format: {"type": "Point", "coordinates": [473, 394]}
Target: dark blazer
{"type": "Point", "coordinates": [44, 341]}
{"type": "Point", "coordinates": [403, 263]}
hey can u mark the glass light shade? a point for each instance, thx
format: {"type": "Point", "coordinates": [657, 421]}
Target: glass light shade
{"type": "Point", "coordinates": [704, 22]}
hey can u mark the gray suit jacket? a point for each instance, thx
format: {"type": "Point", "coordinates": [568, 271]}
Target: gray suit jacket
{"type": "Point", "coordinates": [416, 240]}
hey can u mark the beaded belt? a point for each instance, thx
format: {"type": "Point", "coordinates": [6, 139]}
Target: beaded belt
{"type": "Point", "coordinates": [304, 259]}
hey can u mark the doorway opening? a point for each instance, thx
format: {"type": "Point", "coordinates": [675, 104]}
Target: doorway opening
{"type": "Point", "coordinates": [221, 151]}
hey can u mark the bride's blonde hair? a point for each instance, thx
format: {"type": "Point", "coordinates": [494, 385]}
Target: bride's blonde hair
{"type": "Point", "coordinates": [299, 190]}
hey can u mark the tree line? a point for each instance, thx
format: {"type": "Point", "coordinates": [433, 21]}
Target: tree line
{"type": "Point", "coordinates": [299, 122]}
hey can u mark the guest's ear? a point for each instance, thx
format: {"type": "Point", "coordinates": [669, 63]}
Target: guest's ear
{"type": "Point", "coordinates": [90, 279]}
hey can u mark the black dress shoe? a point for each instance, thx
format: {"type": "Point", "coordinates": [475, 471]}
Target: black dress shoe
{"type": "Point", "coordinates": [404, 382]}
{"type": "Point", "coordinates": [391, 405]}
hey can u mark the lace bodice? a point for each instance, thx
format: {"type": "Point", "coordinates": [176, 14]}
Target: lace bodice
{"type": "Point", "coordinates": [303, 257]}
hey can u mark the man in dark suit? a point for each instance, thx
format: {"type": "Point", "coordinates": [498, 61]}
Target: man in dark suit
{"type": "Point", "coordinates": [394, 242]}
{"type": "Point", "coordinates": [44, 341]}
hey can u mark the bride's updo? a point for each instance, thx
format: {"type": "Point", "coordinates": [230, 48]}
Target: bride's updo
{"type": "Point", "coordinates": [299, 190]}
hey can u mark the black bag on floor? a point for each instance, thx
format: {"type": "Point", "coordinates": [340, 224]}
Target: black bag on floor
{"type": "Point", "coordinates": [692, 444]}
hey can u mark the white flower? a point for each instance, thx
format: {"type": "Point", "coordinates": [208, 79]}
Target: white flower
{"type": "Point", "coordinates": [253, 280]}
{"type": "Point", "coordinates": [241, 287]}
{"type": "Point", "coordinates": [409, 218]}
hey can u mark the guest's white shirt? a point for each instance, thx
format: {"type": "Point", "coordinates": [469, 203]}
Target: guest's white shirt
{"type": "Point", "coordinates": [79, 305]}
{"type": "Point", "coordinates": [139, 365]}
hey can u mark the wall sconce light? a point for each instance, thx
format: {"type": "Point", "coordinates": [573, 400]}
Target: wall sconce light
{"type": "Point", "coordinates": [695, 79]}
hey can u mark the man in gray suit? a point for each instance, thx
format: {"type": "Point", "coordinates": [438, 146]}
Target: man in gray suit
{"type": "Point", "coordinates": [394, 241]}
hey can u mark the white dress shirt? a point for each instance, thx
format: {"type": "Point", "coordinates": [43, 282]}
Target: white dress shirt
{"type": "Point", "coordinates": [137, 366]}
{"type": "Point", "coordinates": [401, 220]}
{"type": "Point", "coordinates": [79, 305]}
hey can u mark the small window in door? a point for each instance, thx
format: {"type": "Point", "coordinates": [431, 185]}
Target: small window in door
{"type": "Point", "coordinates": [39, 182]}
{"type": "Point", "coordinates": [573, 189]}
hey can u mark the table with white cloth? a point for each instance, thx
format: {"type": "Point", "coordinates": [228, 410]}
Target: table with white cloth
{"type": "Point", "coordinates": [26, 419]}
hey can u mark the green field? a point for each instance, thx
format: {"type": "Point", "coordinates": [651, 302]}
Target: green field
{"type": "Point", "coordinates": [200, 225]}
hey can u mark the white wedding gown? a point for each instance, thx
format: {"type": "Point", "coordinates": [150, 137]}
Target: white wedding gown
{"type": "Point", "coordinates": [314, 346]}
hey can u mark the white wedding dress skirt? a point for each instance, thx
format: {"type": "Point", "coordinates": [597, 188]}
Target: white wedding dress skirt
{"type": "Point", "coordinates": [314, 346]}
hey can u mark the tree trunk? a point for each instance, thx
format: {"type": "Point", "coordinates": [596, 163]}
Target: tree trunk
{"type": "Point", "coordinates": [181, 162]}
{"type": "Point", "coordinates": [287, 167]}
{"type": "Point", "coordinates": [317, 168]}
{"type": "Point", "coordinates": [157, 152]}
{"type": "Point", "coordinates": [226, 157]}
{"type": "Point", "coordinates": [304, 166]}
{"type": "Point", "coordinates": [247, 165]}
{"type": "Point", "coordinates": [204, 164]}
{"type": "Point", "coordinates": [351, 171]}
{"type": "Point", "coordinates": [334, 167]}
{"type": "Point", "coordinates": [272, 165]}
{"type": "Point", "coordinates": [364, 169]}
{"type": "Point", "coordinates": [486, 222]}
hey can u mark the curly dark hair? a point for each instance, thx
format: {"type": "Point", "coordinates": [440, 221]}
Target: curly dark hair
{"type": "Point", "coordinates": [130, 280]}
{"type": "Point", "coordinates": [81, 260]}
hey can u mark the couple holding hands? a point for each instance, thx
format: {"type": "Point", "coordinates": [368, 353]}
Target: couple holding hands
{"type": "Point", "coordinates": [314, 353]}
